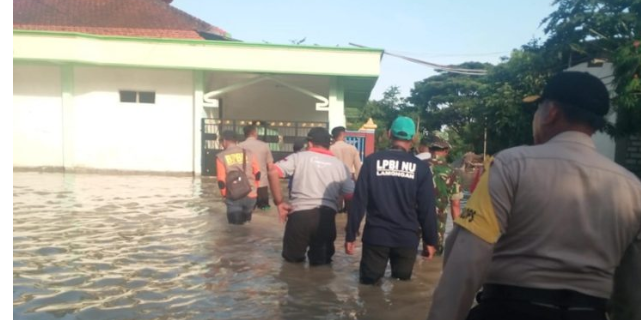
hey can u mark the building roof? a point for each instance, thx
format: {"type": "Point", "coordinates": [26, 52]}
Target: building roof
{"type": "Point", "coordinates": [134, 18]}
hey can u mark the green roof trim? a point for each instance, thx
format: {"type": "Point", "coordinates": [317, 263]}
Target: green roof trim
{"type": "Point", "coordinates": [190, 41]}
{"type": "Point", "coordinates": [20, 61]}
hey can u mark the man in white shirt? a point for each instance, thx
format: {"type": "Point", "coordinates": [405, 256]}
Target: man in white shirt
{"type": "Point", "coordinates": [349, 155]}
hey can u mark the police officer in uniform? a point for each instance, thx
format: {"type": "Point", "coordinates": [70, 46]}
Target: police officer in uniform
{"type": "Point", "coordinates": [553, 230]}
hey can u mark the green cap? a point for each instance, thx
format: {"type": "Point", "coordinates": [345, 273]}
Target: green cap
{"type": "Point", "coordinates": [403, 128]}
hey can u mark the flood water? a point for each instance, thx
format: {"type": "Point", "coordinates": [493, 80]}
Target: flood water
{"type": "Point", "coordinates": [97, 246]}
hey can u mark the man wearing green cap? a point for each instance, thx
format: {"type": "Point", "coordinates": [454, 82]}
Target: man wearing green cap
{"type": "Point", "coordinates": [396, 190]}
{"type": "Point", "coordinates": [447, 184]}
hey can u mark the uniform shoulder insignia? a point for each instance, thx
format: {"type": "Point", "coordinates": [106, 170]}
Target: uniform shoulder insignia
{"type": "Point", "coordinates": [468, 214]}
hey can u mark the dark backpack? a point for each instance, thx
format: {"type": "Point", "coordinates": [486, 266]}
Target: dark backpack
{"type": "Point", "coordinates": [237, 184]}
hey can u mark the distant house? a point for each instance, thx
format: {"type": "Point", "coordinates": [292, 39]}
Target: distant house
{"type": "Point", "coordinates": [625, 151]}
{"type": "Point", "coordinates": [139, 85]}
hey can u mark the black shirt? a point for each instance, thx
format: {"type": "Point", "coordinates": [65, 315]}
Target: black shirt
{"type": "Point", "coordinates": [397, 191]}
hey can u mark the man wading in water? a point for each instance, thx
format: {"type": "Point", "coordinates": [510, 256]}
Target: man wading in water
{"type": "Point", "coordinates": [318, 180]}
{"type": "Point", "coordinates": [396, 189]}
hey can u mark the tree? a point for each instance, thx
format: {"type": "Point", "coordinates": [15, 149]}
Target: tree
{"type": "Point", "coordinates": [452, 102]}
{"type": "Point", "coordinates": [383, 112]}
{"type": "Point", "coordinates": [579, 30]}
{"type": "Point", "coordinates": [467, 105]}
{"type": "Point", "coordinates": [524, 73]}
{"type": "Point", "coordinates": [603, 28]}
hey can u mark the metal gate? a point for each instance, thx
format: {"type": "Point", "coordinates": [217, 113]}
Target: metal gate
{"type": "Point", "coordinates": [210, 129]}
{"type": "Point", "coordinates": [279, 135]}
{"type": "Point", "coordinates": [358, 141]}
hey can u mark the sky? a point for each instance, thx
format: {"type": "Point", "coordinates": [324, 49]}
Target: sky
{"type": "Point", "coordinates": [438, 31]}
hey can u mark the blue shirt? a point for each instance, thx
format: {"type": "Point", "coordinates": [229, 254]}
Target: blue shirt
{"type": "Point", "coordinates": [395, 189]}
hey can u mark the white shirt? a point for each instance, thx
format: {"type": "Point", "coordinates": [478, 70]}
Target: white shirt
{"type": "Point", "coordinates": [424, 156]}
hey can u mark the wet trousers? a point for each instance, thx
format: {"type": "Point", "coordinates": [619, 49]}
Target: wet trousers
{"type": "Point", "coordinates": [314, 229]}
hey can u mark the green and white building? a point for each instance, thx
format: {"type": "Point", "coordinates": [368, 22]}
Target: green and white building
{"type": "Point", "coordinates": [106, 87]}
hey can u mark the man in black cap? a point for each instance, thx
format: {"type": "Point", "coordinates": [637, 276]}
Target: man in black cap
{"type": "Point", "coordinates": [552, 231]}
{"type": "Point", "coordinates": [319, 181]}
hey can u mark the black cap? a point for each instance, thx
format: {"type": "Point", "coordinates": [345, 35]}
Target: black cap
{"type": "Point", "coordinates": [319, 136]}
{"type": "Point", "coordinates": [229, 135]}
{"type": "Point", "coordinates": [578, 89]}
{"type": "Point", "coordinates": [434, 141]}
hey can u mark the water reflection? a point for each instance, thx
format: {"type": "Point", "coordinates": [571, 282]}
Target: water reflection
{"type": "Point", "coordinates": [91, 246]}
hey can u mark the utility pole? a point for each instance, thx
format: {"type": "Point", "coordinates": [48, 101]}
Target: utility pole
{"type": "Point", "coordinates": [485, 139]}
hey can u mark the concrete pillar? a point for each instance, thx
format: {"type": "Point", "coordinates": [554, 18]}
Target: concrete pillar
{"type": "Point", "coordinates": [336, 103]}
{"type": "Point", "coordinates": [198, 113]}
{"type": "Point", "coordinates": [68, 118]}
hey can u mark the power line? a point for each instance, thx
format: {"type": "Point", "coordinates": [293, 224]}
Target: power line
{"type": "Point", "coordinates": [451, 55]}
{"type": "Point", "coordinates": [471, 72]}
{"type": "Point", "coordinates": [443, 67]}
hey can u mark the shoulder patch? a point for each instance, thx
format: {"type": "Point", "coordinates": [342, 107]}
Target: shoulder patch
{"type": "Point", "coordinates": [478, 217]}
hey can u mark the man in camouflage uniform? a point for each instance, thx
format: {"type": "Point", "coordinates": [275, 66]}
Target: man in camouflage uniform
{"type": "Point", "coordinates": [447, 184]}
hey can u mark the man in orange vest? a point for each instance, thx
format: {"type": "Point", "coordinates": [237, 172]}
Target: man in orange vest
{"type": "Point", "coordinates": [241, 164]}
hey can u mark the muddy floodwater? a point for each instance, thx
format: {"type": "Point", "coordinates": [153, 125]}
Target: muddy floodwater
{"type": "Point", "coordinates": [98, 246]}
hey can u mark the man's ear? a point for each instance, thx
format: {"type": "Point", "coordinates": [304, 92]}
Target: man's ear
{"type": "Point", "coordinates": [551, 113]}
{"type": "Point", "coordinates": [389, 134]}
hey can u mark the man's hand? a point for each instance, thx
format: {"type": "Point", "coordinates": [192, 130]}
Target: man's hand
{"type": "Point", "coordinates": [349, 247]}
{"type": "Point", "coordinates": [284, 209]}
{"type": "Point", "coordinates": [428, 252]}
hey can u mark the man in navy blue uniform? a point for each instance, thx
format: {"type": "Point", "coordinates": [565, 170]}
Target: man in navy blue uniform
{"type": "Point", "coordinates": [396, 190]}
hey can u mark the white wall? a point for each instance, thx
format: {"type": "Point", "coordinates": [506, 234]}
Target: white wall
{"type": "Point", "coordinates": [37, 116]}
{"type": "Point", "coordinates": [604, 143]}
{"type": "Point", "coordinates": [130, 136]}
{"type": "Point", "coordinates": [269, 100]}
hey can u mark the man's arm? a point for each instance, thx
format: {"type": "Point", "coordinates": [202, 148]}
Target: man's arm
{"type": "Point", "coordinates": [455, 207]}
{"type": "Point", "coordinates": [282, 169]}
{"type": "Point", "coordinates": [468, 250]}
{"type": "Point", "coordinates": [221, 177]}
{"type": "Point", "coordinates": [347, 185]}
{"type": "Point", "coordinates": [270, 158]}
{"type": "Point", "coordinates": [275, 174]}
{"type": "Point", "coordinates": [357, 163]}
{"type": "Point", "coordinates": [426, 207]}
{"type": "Point", "coordinates": [625, 302]}
{"type": "Point", "coordinates": [256, 171]}
{"type": "Point", "coordinates": [284, 209]}
{"type": "Point", "coordinates": [358, 206]}
{"type": "Point", "coordinates": [456, 195]}
{"type": "Point", "coordinates": [465, 266]}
